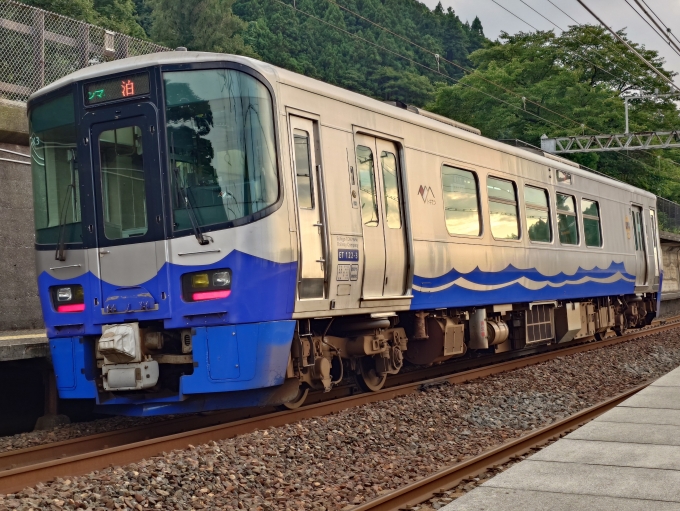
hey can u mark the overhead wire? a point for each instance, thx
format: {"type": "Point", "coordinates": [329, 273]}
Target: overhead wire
{"type": "Point", "coordinates": [604, 41]}
{"type": "Point", "coordinates": [466, 69]}
{"type": "Point", "coordinates": [355, 36]}
{"type": "Point", "coordinates": [656, 29]}
{"type": "Point", "coordinates": [652, 67]}
{"type": "Point", "coordinates": [668, 30]}
{"type": "Point", "coordinates": [560, 28]}
{"type": "Point", "coordinates": [633, 50]}
{"type": "Point", "coordinates": [436, 71]}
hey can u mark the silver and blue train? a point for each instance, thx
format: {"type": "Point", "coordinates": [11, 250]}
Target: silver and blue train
{"type": "Point", "coordinates": [215, 232]}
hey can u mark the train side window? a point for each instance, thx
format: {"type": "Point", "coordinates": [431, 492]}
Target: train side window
{"type": "Point", "coordinates": [537, 207]}
{"type": "Point", "coordinates": [391, 189]}
{"type": "Point", "coordinates": [367, 191]}
{"type": "Point", "coordinates": [566, 219]}
{"type": "Point", "coordinates": [592, 230]}
{"type": "Point", "coordinates": [461, 201]}
{"type": "Point", "coordinates": [303, 170]}
{"type": "Point", "coordinates": [503, 208]}
{"type": "Point", "coordinates": [652, 217]}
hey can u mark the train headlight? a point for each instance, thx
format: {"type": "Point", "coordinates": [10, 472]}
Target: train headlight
{"type": "Point", "coordinates": [64, 294]}
{"type": "Point", "coordinates": [221, 279]}
{"type": "Point", "coordinates": [206, 285]}
{"type": "Point", "coordinates": [200, 280]}
{"type": "Point", "coordinates": [68, 298]}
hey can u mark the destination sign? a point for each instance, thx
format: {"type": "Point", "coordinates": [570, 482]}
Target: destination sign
{"type": "Point", "coordinates": [117, 88]}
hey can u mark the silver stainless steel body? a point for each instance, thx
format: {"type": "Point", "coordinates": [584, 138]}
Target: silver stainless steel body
{"type": "Point", "coordinates": [414, 235]}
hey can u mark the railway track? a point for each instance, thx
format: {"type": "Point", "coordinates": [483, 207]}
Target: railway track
{"type": "Point", "coordinates": [445, 479]}
{"type": "Point", "coordinates": [26, 467]}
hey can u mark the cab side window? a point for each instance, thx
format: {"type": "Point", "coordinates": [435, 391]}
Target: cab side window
{"type": "Point", "coordinates": [592, 230]}
{"type": "Point", "coordinates": [537, 208]}
{"type": "Point", "coordinates": [461, 201]}
{"type": "Point", "coordinates": [503, 209]}
{"type": "Point", "coordinates": [566, 219]}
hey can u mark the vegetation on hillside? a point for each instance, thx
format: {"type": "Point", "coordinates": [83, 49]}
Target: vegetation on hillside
{"type": "Point", "coordinates": [579, 76]}
{"type": "Point", "coordinates": [548, 84]}
{"type": "Point", "coordinates": [118, 15]}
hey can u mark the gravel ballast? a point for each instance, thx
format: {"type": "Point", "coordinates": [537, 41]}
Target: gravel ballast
{"type": "Point", "coordinates": [338, 461]}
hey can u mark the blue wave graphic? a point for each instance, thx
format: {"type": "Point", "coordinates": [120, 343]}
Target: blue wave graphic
{"type": "Point", "coordinates": [511, 273]}
{"type": "Point", "coordinates": [456, 289]}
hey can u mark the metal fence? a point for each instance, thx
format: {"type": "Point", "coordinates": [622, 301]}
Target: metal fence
{"type": "Point", "coordinates": [38, 47]}
{"type": "Point", "coordinates": [669, 215]}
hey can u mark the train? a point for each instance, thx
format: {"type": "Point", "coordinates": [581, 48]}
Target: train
{"type": "Point", "coordinates": [214, 232]}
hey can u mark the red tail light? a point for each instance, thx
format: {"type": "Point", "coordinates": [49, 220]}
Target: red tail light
{"type": "Point", "coordinates": [210, 295]}
{"type": "Point", "coordinates": [74, 307]}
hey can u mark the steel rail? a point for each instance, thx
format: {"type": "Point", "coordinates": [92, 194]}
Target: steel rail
{"type": "Point", "coordinates": [26, 467]}
{"type": "Point", "coordinates": [444, 479]}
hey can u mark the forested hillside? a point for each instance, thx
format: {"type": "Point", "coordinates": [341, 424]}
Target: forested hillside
{"type": "Point", "coordinates": [306, 45]}
{"type": "Point", "coordinates": [522, 86]}
{"type": "Point", "coordinates": [272, 31]}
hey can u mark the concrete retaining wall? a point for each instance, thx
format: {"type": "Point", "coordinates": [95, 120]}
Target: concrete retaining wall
{"type": "Point", "coordinates": [19, 304]}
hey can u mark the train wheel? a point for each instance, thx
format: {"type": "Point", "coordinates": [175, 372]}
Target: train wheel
{"type": "Point", "coordinates": [299, 399]}
{"type": "Point", "coordinates": [367, 377]}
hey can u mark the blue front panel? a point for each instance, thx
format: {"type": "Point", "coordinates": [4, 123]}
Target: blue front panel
{"type": "Point", "coordinates": [74, 367]}
{"type": "Point", "coordinates": [261, 290]}
{"type": "Point", "coordinates": [513, 285]}
{"type": "Point", "coordinates": [260, 351]}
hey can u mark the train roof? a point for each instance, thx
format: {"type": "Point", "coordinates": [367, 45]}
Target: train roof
{"type": "Point", "coordinates": [297, 80]}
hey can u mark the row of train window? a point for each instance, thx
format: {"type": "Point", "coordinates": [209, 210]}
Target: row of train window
{"type": "Point", "coordinates": [463, 215]}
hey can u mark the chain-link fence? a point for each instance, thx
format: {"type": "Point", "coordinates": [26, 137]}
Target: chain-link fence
{"type": "Point", "coordinates": [38, 47]}
{"type": "Point", "coordinates": [669, 215]}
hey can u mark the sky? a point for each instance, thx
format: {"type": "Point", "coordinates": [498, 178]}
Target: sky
{"type": "Point", "coordinates": [616, 13]}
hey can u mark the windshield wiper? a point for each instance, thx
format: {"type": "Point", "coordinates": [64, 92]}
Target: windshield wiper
{"type": "Point", "coordinates": [60, 253]}
{"type": "Point", "coordinates": [202, 240]}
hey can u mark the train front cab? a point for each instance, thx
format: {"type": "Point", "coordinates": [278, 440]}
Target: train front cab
{"type": "Point", "coordinates": [165, 265]}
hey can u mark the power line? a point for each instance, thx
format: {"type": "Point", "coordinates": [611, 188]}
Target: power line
{"type": "Point", "coordinates": [622, 40]}
{"type": "Point", "coordinates": [604, 41]}
{"type": "Point", "coordinates": [355, 36]}
{"type": "Point", "coordinates": [657, 30]}
{"type": "Point", "coordinates": [544, 17]}
{"type": "Point", "coordinates": [668, 30]}
{"type": "Point", "coordinates": [560, 28]}
{"type": "Point", "coordinates": [470, 71]}
{"type": "Point", "coordinates": [515, 15]}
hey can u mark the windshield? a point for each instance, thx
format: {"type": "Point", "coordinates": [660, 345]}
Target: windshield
{"type": "Point", "coordinates": [54, 168]}
{"type": "Point", "coordinates": [220, 131]}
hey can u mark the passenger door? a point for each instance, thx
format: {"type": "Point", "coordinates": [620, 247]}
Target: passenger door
{"type": "Point", "coordinates": [312, 269]}
{"type": "Point", "coordinates": [640, 247]}
{"type": "Point", "coordinates": [129, 214]}
{"type": "Point", "coordinates": [382, 215]}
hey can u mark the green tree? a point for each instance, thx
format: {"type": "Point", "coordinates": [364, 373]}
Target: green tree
{"type": "Point", "coordinates": [313, 47]}
{"type": "Point", "coordinates": [79, 9]}
{"type": "Point", "coordinates": [202, 25]}
{"type": "Point", "coordinates": [118, 15]}
{"type": "Point", "coordinates": [579, 76]}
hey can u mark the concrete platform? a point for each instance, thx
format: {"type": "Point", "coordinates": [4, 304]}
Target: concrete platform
{"type": "Point", "coordinates": [625, 460]}
{"type": "Point", "coordinates": [23, 344]}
